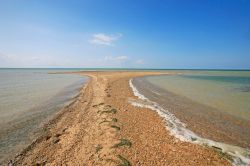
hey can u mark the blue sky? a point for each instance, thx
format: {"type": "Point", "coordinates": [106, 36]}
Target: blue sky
{"type": "Point", "coordinates": [125, 33]}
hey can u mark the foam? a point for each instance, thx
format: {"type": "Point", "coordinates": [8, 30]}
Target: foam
{"type": "Point", "coordinates": [240, 156]}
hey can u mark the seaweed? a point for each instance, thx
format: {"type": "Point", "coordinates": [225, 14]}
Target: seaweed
{"type": "Point", "coordinates": [123, 142]}
{"type": "Point", "coordinates": [125, 162]}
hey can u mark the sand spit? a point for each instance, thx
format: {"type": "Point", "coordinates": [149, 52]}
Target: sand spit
{"type": "Point", "coordinates": [101, 127]}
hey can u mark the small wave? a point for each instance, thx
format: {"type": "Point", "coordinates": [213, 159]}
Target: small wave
{"type": "Point", "coordinates": [240, 156]}
{"type": "Point", "coordinates": [245, 89]}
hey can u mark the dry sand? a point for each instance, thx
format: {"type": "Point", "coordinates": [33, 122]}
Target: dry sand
{"type": "Point", "coordinates": [88, 131]}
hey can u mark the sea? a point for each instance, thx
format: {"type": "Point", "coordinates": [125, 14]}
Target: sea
{"type": "Point", "coordinates": [28, 99]}
{"type": "Point", "coordinates": [209, 107]}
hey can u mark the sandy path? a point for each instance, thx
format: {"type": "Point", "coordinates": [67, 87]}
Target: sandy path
{"type": "Point", "coordinates": [88, 132]}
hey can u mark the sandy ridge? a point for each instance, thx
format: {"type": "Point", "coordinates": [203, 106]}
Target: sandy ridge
{"type": "Point", "coordinates": [102, 128]}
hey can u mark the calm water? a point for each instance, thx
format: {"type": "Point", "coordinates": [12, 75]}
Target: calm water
{"type": "Point", "coordinates": [227, 91]}
{"type": "Point", "coordinates": [211, 108]}
{"type": "Point", "coordinates": [28, 98]}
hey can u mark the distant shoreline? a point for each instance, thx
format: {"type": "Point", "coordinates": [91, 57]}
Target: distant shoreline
{"type": "Point", "coordinates": [127, 69]}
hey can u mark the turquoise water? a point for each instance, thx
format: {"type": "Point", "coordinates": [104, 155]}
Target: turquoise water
{"type": "Point", "coordinates": [28, 98]}
{"type": "Point", "coordinates": [227, 91]}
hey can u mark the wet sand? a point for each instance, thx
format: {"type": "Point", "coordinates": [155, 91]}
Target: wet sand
{"type": "Point", "coordinates": [205, 121]}
{"type": "Point", "coordinates": [102, 128]}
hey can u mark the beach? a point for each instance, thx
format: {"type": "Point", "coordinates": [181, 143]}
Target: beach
{"type": "Point", "coordinates": [102, 127]}
{"type": "Point", "coordinates": [28, 99]}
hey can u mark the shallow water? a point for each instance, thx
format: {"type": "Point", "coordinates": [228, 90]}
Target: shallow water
{"type": "Point", "coordinates": [205, 107]}
{"type": "Point", "coordinates": [227, 91]}
{"type": "Point", "coordinates": [201, 123]}
{"type": "Point", "coordinates": [28, 98]}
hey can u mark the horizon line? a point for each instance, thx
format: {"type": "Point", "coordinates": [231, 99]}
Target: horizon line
{"type": "Point", "coordinates": [121, 68]}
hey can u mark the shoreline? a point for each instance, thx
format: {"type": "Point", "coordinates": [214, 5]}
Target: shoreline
{"type": "Point", "coordinates": [25, 124]}
{"type": "Point", "coordinates": [88, 131]}
{"type": "Point", "coordinates": [198, 117]}
{"type": "Point", "coordinates": [180, 129]}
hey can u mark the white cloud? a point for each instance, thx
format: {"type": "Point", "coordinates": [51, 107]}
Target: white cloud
{"type": "Point", "coordinates": [122, 58]}
{"type": "Point", "coordinates": [113, 61]}
{"type": "Point", "coordinates": [117, 58]}
{"type": "Point", "coordinates": [13, 60]}
{"type": "Point", "coordinates": [139, 61]}
{"type": "Point", "coordinates": [104, 39]}
{"type": "Point", "coordinates": [60, 60]}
